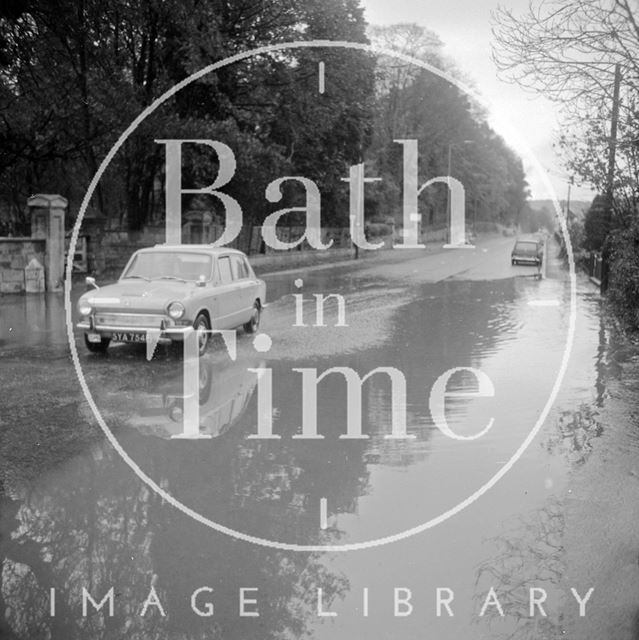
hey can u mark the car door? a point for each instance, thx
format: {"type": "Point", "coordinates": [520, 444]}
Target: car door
{"type": "Point", "coordinates": [244, 287]}
{"type": "Point", "coordinates": [229, 302]}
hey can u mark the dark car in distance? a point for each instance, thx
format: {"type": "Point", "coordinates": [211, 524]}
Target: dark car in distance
{"type": "Point", "coordinates": [527, 251]}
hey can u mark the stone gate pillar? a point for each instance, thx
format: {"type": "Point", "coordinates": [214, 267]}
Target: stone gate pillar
{"type": "Point", "coordinates": [197, 229]}
{"type": "Point", "coordinates": [47, 222]}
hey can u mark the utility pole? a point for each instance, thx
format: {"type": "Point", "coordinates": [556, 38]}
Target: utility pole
{"type": "Point", "coordinates": [612, 150]}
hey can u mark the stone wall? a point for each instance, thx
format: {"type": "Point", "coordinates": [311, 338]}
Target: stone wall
{"type": "Point", "coordinates": [109, 250]}
{"type": "Point", "coordinates": [15, 254]}
{"type": "Point", "coordinates": [117, 246]}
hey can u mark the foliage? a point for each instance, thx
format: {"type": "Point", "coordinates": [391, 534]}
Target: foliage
{"type": "Point", "coordinates": [576, 234]}
{"type": "Point", "coordinates": [596, 224]}
{"type": "Point", "coordinates": [585, 151]}
{"type": "Point", "coordinates": [623, 288]}
{"type": "Point", "coordinates": [413, 103]}
{"type": "Point", "coordinates": [75, 73]}
{"type": "Point", "coordinates": [567, 50]}
{"type": "Point", "coordinates": [533, 219]}
{"type": "Point", "coordinates": [571, 50]}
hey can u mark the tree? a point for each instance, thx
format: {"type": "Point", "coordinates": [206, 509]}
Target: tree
{"type": "Point", "coordinates": [585, 54]}
{"type": "Point", "coordinates": [417, 104]}
{"type": "Point", "coordinates": [596, 224]}
{"type": "Point", "coordinates": [533, 219]}
{"type": "Point", "coordinates": [567, 50]}
{"type": "Point", "coordinates": [78, 71]}
{"type": "Point", "coordinates": [585, 153]}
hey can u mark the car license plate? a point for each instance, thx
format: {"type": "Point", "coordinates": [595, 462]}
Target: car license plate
{"type": "Point", "coordinates": [129, 336]}
{"type": "Point", "coordinates": [94, 337]}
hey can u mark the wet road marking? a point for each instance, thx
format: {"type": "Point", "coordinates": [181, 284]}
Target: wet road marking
{"type": "Point", "coordinates": [323, 514]}
{"type": "Point", "coordinates": [322, 83]}
{"type": "Point", "coordinates": [543, 303]}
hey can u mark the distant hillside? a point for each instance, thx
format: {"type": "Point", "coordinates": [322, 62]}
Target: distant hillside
{"type": "Point", "coordinates": [578, 207]}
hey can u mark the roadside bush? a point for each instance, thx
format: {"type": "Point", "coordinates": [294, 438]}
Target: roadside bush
{"type": "Point", "coordinates": [576, 234]}
{"type": "Point", "coordinates": [378, 229]}
{"type": "Point", "coordinates": [623, 287]}
{"type": "Point", "coordinates": [485, 226]}
{"type": "Point", "coordinates": [595, 224]}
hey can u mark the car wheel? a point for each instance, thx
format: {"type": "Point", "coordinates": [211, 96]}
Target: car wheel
{"type": "Point", "coordinates": [254, 323]}
{"type": "Point", "coordinates": [202, 326]}
{"type": "Point", "coordinates": [97, 347]}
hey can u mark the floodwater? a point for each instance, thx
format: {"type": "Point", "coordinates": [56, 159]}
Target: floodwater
{"type": "Point", "coordinates": [420, 513]}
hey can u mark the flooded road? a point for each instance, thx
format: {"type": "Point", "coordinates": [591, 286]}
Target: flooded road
{"type": "Point", "coordinates": [75, 516]}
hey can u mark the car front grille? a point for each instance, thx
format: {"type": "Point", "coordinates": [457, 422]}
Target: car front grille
{"type": "Point", "coordinates": [129, 320]}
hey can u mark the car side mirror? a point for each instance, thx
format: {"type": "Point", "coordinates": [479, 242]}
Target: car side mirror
{"type": "Point", "coordinates": [201, 281]}
{"type": "Point", "coordinates": [90, 282]}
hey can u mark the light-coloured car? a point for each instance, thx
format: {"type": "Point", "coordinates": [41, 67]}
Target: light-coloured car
{"type": "Point", "coordinates": [170, 289]}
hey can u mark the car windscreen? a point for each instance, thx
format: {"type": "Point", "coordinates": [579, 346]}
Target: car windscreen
{"type": "Point", "coordinates": [526, 247]}
{"type": "Point", "coordinates": [180, 265]}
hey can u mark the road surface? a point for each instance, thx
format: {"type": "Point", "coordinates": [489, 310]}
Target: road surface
{"type": "Point", "coordinates": [75, 515]}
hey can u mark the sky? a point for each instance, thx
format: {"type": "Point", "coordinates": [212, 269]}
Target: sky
{"type": "Point", "coordinates": [524, 119]}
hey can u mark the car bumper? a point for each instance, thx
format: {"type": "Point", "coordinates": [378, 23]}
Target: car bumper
{"type": "Point", "coordinates": [527, 259]}
{"type": "Point", "coordinates": [167, 334]}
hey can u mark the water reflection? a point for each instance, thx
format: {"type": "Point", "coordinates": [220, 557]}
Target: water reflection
{"type": "Point", "coordinates": [97, 527]}
{"type": "Point", "coordinates": [529, 555]}
{"type": "Point", "coordinates": [273, 488]}
{"type": "Point", "coordinates": [32, 323]}
{"type": "Point", "coordinates": [574, 435]}
{"type": "Point", "coordinates": [514, 536]}
{"type": "Point", "coordinates": [223, 397]}
{"type": "Point", "coordinates": [90, 522]}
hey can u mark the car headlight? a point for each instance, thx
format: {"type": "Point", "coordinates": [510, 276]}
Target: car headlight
{"type": "Point", "coordinates": [84, 308]}
{"type": "Point", "coordinates": [176, 310]}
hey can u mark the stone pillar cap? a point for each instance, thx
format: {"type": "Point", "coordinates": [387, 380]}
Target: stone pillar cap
{"type": "Point", "coordinates": [34, 264]}
{"type": "Point", "coordinates": [48, 201]}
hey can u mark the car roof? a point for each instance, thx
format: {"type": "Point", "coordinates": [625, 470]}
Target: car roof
{"type": "Point", "coordinates": [195, 248]}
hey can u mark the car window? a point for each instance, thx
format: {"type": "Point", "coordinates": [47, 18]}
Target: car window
{"type": "Point", "coordinates": [526, 246]}
{"type": "Point", "coordinates": [247, 266]}
{"type": "Point", "coordinates": [193, 267]}
{"type": "Point", "coordinates": [239, 267]}
{"type": "Point", "coordinates": [161, 264]}
{"type": "Point", "coordinates": [224, 265]}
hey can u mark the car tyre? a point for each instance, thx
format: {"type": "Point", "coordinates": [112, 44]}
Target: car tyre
{"type": "Point", "coordinates": [254, 323]}
{"type": "Point", "coordinates": [203, 324]}
{"type": "Point", "coordinates": [97, 347]}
